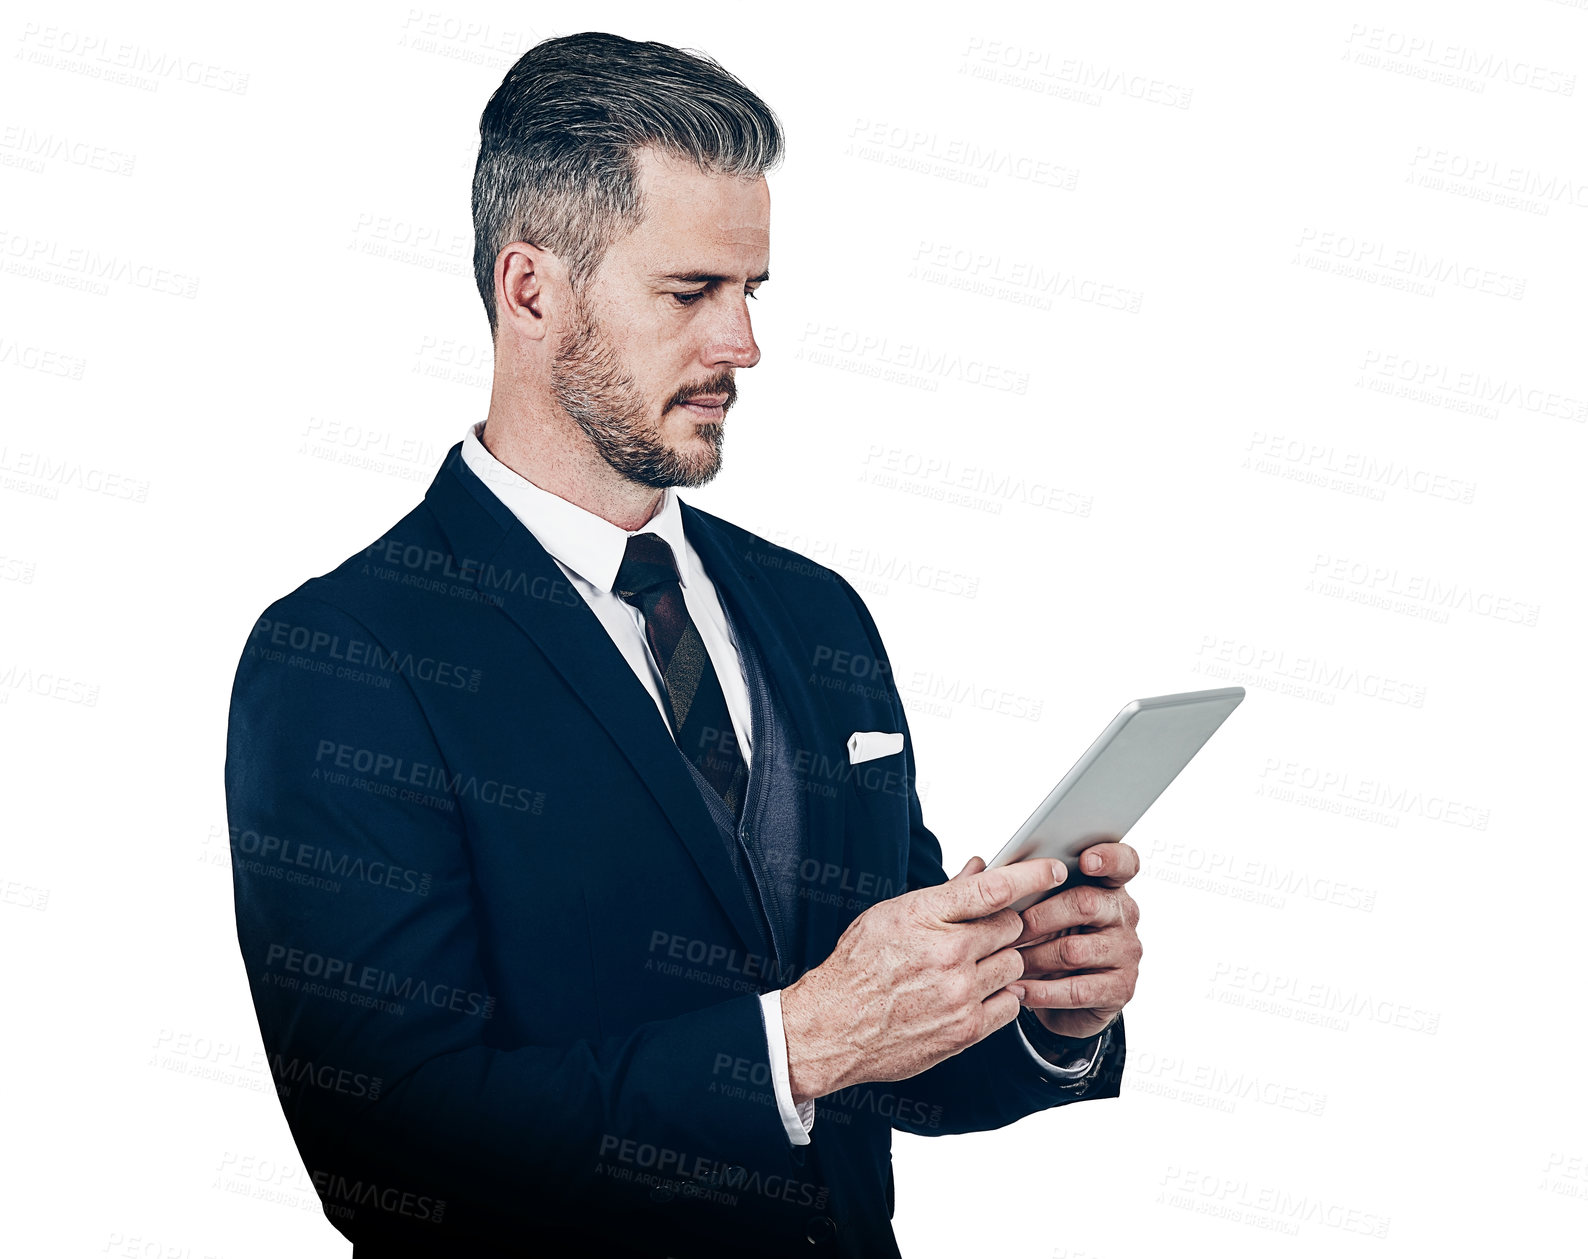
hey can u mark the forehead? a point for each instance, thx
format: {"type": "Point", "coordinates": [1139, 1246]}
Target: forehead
{"type": "Point", "coordinates": [697, 220]}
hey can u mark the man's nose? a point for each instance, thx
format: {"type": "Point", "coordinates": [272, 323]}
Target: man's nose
{"type": "Point", "coordinates": [732, 340]}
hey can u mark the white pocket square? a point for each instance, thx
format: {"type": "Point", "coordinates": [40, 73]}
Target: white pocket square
{"type": "Point", "coordinates": [867, 745]}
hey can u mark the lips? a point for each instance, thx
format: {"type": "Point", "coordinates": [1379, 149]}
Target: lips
{"type": "Point", "coordinates": [710, 407]}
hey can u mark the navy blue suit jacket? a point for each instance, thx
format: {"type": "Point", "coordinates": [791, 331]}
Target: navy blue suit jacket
{"type": "Point", "coordinates": [505, 976]}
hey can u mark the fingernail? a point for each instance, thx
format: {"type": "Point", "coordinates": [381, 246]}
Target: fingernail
{"type": "Point", "coordinates": [1092, 862]}
{"type": "Point", "coordinates": [1059, 872]}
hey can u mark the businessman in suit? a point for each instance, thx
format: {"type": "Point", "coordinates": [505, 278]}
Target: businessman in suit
{"type": "Point", "coordinates": [586, 908]}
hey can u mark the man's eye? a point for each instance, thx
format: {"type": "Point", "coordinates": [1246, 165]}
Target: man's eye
{"type": "Point", "coordinates": [749, 292]}
{"type": "Point", "coordinates": [689, 299]}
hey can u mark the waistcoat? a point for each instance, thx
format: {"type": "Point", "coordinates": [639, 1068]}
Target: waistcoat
{"type": "Point", "coordinates": [768, 845]}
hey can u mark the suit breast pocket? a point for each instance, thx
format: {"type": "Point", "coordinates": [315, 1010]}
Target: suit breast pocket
{"type": "Point", "coordinates": [881, 780]}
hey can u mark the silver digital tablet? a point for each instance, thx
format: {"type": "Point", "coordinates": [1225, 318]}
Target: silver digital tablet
{"type": "Point", "coordinates": [1114, 783]}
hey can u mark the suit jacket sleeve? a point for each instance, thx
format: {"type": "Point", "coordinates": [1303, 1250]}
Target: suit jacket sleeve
{"type": "Point", "coordinates": [354, 914]}
{"type": "Point", "coordinates": [994, 1082]}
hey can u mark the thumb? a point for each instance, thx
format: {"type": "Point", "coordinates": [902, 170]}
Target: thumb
{"type": "Point", "coordinates": [976, 862]}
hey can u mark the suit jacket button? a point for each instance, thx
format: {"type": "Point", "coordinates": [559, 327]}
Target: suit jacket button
{"type": "Point", "coordinates": [820, 1230]}
{"type": "Point", "coordinates": [736, 1175]}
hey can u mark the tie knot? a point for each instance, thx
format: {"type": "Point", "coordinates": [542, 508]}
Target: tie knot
{"type": "Point", "coordinates": [648, 564]}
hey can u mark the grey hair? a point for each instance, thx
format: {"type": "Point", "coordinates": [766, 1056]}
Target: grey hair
{"type": "Point", "coordinates": [558, 140]}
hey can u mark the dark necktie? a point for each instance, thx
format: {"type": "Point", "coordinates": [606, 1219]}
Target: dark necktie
{"type": "Point", "coordinates": [648, 580]}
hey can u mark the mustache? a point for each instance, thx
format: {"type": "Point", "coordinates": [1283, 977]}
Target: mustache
{"type": "Point", "coordinates": [721, 383]}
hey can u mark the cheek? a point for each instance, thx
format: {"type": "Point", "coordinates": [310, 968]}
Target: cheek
{"type": "Point", "coordinates": [657, 365]}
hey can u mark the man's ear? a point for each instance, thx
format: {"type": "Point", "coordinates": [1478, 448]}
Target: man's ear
{"type": "Point", "coordinates": [523, 275]}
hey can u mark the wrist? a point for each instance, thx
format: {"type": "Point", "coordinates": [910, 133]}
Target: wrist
{"type": "Point", "coordinates": [1051, 1043]}
{"type": "Point", "coordinates": [815, 1066]}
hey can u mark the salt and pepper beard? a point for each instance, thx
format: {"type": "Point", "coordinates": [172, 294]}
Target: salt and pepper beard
{"type": "Point", "coordinates": [589, 382]}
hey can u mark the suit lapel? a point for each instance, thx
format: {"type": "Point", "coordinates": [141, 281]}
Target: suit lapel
{"type": "Point", "coordinates": [491, 546]}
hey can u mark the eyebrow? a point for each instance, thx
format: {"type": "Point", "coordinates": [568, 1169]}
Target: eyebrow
{"type": "Point", "coordinates": [706, 277]}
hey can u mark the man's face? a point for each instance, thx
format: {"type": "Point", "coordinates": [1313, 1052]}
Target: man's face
{"type": "Point", "coordinates": [646, 365]}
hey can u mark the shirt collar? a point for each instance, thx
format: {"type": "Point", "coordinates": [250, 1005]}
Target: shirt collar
{"type": "Point", "coordinates": [588, 544]}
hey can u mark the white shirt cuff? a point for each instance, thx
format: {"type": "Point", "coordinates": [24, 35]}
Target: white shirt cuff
{"type": "Point", "coordinates": [797, 1120]}
{"type": "Point", "coordinates": [1063, 1073]}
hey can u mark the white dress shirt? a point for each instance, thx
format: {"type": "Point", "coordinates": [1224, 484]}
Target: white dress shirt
{"type": "Point", "coordinates": [589, 550]}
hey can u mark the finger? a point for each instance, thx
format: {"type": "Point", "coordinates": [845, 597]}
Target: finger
{"type": "Point", "coordinates": [982, 937]}
{"type": "Point", "coordinates": [1081, 1024]}
{"type": "Point", "coordinates": [1093, 950]}
{"type": "Point", "coordinates": [1113, 864]}
{"type": "Point", "coordinates": [1107, 991]}
{"type": "Point", "coordinates": [977, 895]}
{"type": "Point", "coordinates": [999, 970]}
{"type": "Point", "coordinates": [1073, 907]}
{"type": "Point", "coordinates": [1000, 1008]}
{"type": "Point", "coordinates": [1111, 949]}
{"type": "Point", "coordinates": [977, 862]}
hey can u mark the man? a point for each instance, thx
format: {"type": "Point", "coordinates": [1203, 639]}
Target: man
{"type": "Point", "coordinates": [580, 916]}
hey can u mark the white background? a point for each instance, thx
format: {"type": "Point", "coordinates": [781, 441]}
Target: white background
{"type": "Point", "coordinates": [1111, 350]}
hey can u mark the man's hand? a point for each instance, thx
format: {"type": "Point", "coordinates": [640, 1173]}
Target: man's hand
{"type": "Point", "coordinates": [1081, 948]}
{"type": "Point", "coordinates": [912, 981]}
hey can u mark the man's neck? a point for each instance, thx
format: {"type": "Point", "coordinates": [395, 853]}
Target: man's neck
{"type": "Point", "coordinates": [560, 460]}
